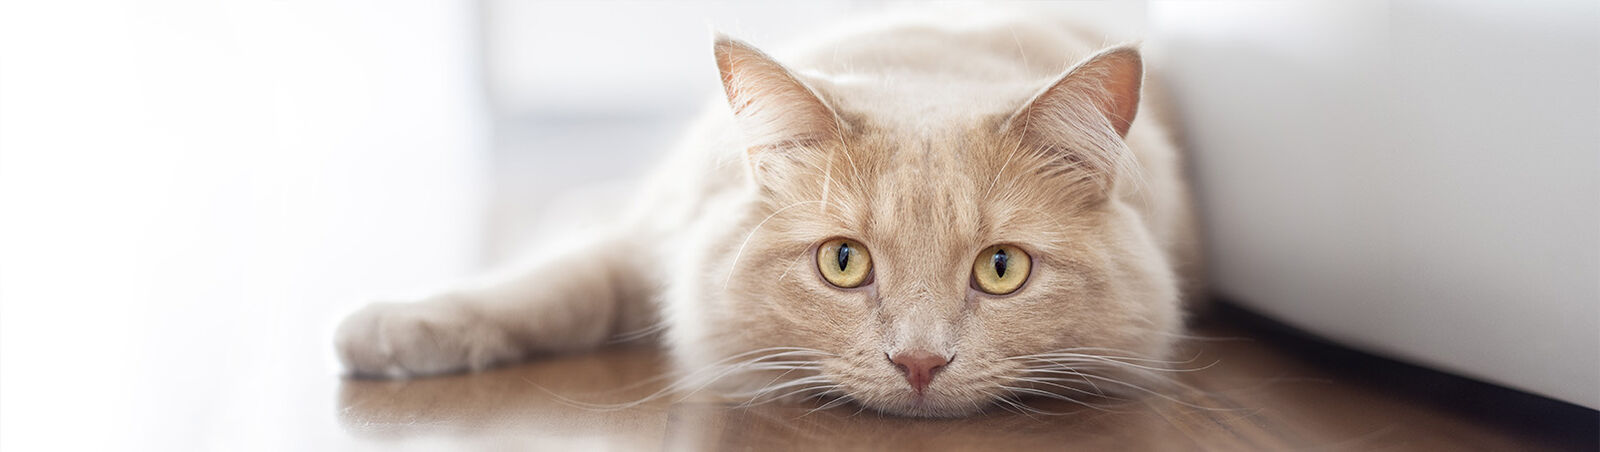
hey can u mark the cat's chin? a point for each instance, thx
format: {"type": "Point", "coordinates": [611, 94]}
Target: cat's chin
{"type": "Point", "coordinates": [927, 406]}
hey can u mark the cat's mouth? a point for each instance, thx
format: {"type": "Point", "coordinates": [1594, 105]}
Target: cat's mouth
{"type": "Point", "coordinates": [896, 398]}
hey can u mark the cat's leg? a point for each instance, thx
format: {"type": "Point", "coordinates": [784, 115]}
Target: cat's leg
{"type": "Point", "coordinates": [572, 301]}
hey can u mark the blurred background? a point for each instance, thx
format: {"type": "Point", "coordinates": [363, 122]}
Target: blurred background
{"type": "Point", "coordinates": [192, 193]}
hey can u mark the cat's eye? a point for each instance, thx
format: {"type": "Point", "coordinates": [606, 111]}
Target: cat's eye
{"type": "Point", "coordinates": [844, 263]}
{"type": "Point", "coordinates": [1001, 269]}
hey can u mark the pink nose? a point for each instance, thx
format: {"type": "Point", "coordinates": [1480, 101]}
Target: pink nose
{"type": "Point", "coordinates": [919, 367]}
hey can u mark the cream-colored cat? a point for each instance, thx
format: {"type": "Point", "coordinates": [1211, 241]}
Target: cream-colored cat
{"type": "Point", "coordinates": [926, 219]}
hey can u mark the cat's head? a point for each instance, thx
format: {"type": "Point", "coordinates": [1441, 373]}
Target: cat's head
{"type": "Point", "coordinates": [930, 250]}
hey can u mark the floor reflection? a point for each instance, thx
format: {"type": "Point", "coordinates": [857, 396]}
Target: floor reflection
{"type": "Point", "coordinates": [525, 404]}
{"type": "Point", "coordinates": [534, 404]}
{"type": "Point", "coordinates": [1252, 396]}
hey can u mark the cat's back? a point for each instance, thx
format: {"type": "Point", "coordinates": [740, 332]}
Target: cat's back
{"type": "Point", "coordinates": [948, 46]}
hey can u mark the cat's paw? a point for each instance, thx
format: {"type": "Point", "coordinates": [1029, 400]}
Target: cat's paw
{"type": "Point", "coordinates": [402, 340]}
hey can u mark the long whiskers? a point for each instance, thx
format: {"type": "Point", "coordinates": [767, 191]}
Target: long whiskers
{"type": "Point", "coordinates": [1049, 395]}
{"type": "Point", "coordinates": [786, 359]}
{"type": "Point", "coordinates": [631, 336]}
{"type": "Point", "coordinates": [746, 242]}
{"type": "Point", "coordinates": [1058, 374]}
{"type": "Point", "coordinates": [1068, 359]}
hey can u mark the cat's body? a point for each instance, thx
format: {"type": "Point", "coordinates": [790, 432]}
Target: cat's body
{"type": "Point", "coordinates": [926, 145]}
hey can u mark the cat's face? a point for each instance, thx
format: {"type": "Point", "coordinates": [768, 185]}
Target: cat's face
{"type": "Point", "coordinates": [922, 269]}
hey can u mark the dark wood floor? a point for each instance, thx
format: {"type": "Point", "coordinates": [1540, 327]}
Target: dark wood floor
{"type": "Point", "coordinates": [1267, 389]}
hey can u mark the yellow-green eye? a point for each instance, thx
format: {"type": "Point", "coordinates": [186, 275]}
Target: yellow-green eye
{"type": "Point", "coordinates": [1001, 269]}
{"type": "Point", "coordinates": [844, 263]}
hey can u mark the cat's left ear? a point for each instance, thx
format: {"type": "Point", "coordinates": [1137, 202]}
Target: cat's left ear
{"type": "Point", "coordinates": [1084, 116]}
{"type": "Point", "coordinates": [1101, 92]}
{"type": "Point", "coordinates": [774, 108]}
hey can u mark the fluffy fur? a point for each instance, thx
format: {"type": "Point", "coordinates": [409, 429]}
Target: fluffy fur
{"type": "Point", "coordinates": [924, 141]}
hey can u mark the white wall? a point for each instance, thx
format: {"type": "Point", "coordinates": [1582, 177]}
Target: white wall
{"type": "Point", "coordinates": [193, 192]}
{"type": "Point", "coordinates": [1415, 178]}
{"type": "Point", "coordinates": [573, 57]}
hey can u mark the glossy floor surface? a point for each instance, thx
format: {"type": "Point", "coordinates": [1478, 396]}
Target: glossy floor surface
{"type": "Point", "coordinates": [1255, 392]}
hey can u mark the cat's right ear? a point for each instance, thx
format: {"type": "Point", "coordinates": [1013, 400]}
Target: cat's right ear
{"type": "Point", "coordinates": [774, 108]}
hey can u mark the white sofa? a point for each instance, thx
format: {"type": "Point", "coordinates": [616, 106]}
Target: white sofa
{"type": "Point", "coordinates": [1412, 178]}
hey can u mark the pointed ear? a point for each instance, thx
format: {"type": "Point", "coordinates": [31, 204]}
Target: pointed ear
{"type": "Point", "coordinates": [774, 108]}
{"type": "Point", "coordinates": [1101, 91]}
{"type": "Point", "coordinates": [1082, 118]}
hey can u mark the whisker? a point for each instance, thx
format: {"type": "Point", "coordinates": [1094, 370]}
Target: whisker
{"type": "Point", "coordinates": [1009, 405]}
{"type": "Point", "coordinates": [836, 402]}
{"type": "Point", "coordinates": [1050, 381]}
{"type": "Point", "coordinates": [1072, 370]}
{"type": "Point", "coordinates": [1159, 394]}
{"type": "Point", "coordinates": [1026, 410]}
{"type": "Point", "coordinates": [639, 333]}
{"type": "Point", "coordinates": [720, 368]}
{"type": "Point", "coordinates": [740, 253]}
{"type": "Point", "coordinates": [823, 390]}
{"type": "Point", "coordinates": [769, 388]}
{"type": "Point", "coordinates": [1074, 352]}
{"type": "Point", "coordinates": [1067, 359]}
{"type": "Point", "coordinates": [1051, 395]}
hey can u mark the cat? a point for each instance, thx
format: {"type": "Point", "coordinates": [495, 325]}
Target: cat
{"type": "Point", "coordinates": [926, 218]}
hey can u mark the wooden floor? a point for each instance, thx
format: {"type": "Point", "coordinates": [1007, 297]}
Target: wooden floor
{"type": "Point", "coordinates": [1262, 391]}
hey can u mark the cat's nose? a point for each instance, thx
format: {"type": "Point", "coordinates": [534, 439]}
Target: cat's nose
{"type": "Point", "coordinates": [919, 366]}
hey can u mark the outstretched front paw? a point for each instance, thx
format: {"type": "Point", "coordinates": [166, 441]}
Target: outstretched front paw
{"type": "Point", "coordinates": [401, 340]}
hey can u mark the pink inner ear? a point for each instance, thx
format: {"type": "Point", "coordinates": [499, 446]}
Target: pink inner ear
{"type": "Point", "coordinates": [1121, 77]}
{"type": "Point", "coordinates": [1108, 81]}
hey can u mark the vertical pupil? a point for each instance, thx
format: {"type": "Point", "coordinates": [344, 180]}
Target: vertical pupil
{"type": "Point", "coordinates": [1000, 263]}
{"type": "Point", "coordinates": [844, 256]}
